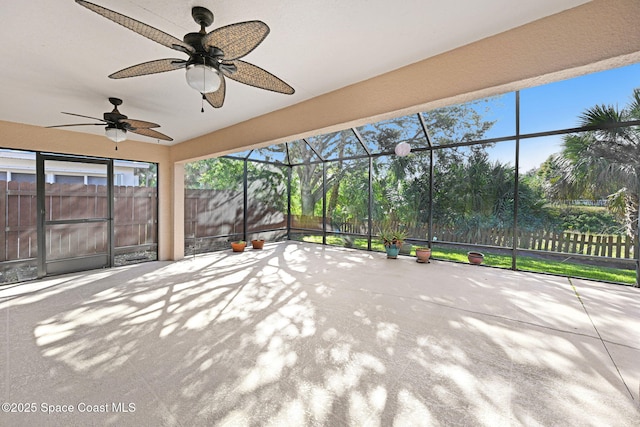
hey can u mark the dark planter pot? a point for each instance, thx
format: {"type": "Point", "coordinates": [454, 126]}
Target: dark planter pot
{"type": "Point", "coordinates": [257, 244]}
{"type": "Point", "coordinates": [405, 249]}
{"type": "Point", "coordinates": [475, 258]}
{"type": "Point", "coordinates": [392, 250]}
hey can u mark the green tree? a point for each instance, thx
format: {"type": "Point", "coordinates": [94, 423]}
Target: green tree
{"type": "Point", "coordinates": [450, 124]}
{"type": "Point", "coordinates": [401, 184]}
{"type": "Point", "coordinates": [603, 162]}
{"type": "Point", "coordinates": [308, 156]}
{"type": "Point", "coordinates": [214, 174]}
{"type": "Point", "coordinates": [471, 191]}
{"type": "Point", "coordinates": [267, 183]}
{"type": "Point", "coordinates": [147, 176]}
{"type": "Point", "coordinates": [349, 201]}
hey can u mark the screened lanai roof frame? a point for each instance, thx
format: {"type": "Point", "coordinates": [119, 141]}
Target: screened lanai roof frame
{"type": "Point", "coordinates": [429, 147]}
{"type": "Point", "coordinates": [356, 134]}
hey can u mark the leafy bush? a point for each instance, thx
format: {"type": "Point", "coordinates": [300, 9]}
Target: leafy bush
{"type": "Point", "coordinates": [586, 219]}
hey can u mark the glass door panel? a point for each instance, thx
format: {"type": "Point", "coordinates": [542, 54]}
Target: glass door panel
{"type": "Point", "coordinates": [76, 215]}
{"type": "Point", "coordinates": [76, 240]}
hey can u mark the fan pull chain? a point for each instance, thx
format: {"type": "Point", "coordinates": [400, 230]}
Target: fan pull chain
{"type": "Point", "coordinates": [204, 79]}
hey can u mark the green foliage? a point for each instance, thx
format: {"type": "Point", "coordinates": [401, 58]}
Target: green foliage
{"type": "Point", "coordinates": [349, 202]}
{"type": "Point", "coordinates": [457, 123]}
{"type": "Point", "coordinates": [214, 174]}
{"type": "Point", "coordinates": [267, 183]}
{"type": "Point", "coordinates": [601, 164]}
{"type": "Point", "coordinates": [148, 177]}
{"type": "Point", "coordinates": [472, 192]}
{"type": "Point", "coordinates": [584, 219]}
{"type": "Point", "coordinates": [390, 235]}
{"type": "Point", "coordinates": [296, 205]}
{"type": "Point", "coordinates": [400, 184]}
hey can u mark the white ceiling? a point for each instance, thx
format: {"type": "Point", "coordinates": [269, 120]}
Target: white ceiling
{"type": "Point", "coordinates": [56, 55]}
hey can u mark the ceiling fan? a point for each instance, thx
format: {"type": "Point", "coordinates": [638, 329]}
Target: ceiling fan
{"type": "Point", "coordinates": [117, 125]}
{"type": "Point", "coordinates": [212, 56]}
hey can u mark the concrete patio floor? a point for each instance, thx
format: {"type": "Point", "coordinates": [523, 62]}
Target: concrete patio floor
{"type": "Point", "coordinates": [305, 335]}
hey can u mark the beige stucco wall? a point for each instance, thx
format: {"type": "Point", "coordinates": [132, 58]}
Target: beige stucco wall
{"type": "Point", "coordinates": [599, 35]}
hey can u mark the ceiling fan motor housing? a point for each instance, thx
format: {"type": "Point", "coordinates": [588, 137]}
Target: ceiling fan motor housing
{"type": "Point", "coordinates": [115, 117]}
{"type": "Point", "coordinates": [210, 58]}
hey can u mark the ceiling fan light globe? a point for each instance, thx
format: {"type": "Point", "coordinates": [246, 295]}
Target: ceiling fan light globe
{"type": "Point", "coordinates": [203, 78]}
{"type": "Point", "coordinates": [116, 135]}
{"type": "Point", "coordinates": [402, 149]}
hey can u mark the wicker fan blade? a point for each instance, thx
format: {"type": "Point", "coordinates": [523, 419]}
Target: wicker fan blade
{"type": "Point", "coordinates": [216, 99]}
{"type": "Point", "coordinates": [138, 27]}
{"type": "Point", "coordinates": [76, 124]}
{"type": "Point", "coordinates": [255, 76]}
{"type": "Point", "coordinates": [139, 124]}
{"type": "Point", "coordinates": [86, 117]}
{"type": "Point", "coordinates": [151, 133]}
{"type": "Point", "coordinates": [151, 67]}
{"type": "Point", "coordinates": [237, 40]}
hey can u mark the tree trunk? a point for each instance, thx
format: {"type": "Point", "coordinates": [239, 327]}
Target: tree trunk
{"type": "Point", "coordinates": [307, 201]}
{"type": "Point", "coordinates": [335, 188]}
{"type": "Point", "coordinates": [631, 213]}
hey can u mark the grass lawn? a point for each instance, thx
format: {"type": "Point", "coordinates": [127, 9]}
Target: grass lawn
{"type": "Point", "coordinates": [525, 263]}
{"type": "Point", "coordinates": [538, 265]}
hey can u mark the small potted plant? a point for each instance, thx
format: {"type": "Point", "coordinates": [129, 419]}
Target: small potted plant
{"type": "Point", "coordinates": [392, 241]}
{"type": "Point", "coordinates": [423, 254]}
{"type": "Point", "coordinates": [475, 258]}
{"type": "Point", "coordinates": [238, 246]}
{"type": "Point", "coordinates": [257, 243]}
{"type": "Point", "coordinates": [406, 248]}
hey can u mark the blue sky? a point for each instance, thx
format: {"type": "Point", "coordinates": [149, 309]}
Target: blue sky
{"type": "Point", "coordinates": [557, 106]}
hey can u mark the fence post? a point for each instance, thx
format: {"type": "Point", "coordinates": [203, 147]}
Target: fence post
{"type": "Point", "coordinates": [618, 246]}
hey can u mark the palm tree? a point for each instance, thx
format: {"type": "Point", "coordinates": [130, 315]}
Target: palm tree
{"type": "Point", "coordinates": [602, 163]}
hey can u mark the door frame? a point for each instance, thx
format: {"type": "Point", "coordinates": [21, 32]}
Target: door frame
{"type": "Point", "coordinates": [79, 263]}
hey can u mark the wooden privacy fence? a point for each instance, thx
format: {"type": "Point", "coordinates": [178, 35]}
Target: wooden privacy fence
{"type": "Point", "coordinates": [614, 246]}
{"type": "Point", "coordinates": [18, 229]}
{"type": "Point", "coordinates": [135, 218]}
{"type": "Point", "coordinates": [212, 212]}
{"type": "Point", "coordinates": [220, 212]}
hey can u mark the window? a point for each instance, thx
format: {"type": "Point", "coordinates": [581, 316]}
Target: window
{"type": "Point", "coordinates": [69, 179]}
{"type": "Point", "coordinates": [96, 180]}
{"type": "Point", "coordinates": [23, 177]}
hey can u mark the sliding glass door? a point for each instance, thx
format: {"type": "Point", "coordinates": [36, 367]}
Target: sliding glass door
{"type": "Point", "coordinates": [74, 213]}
